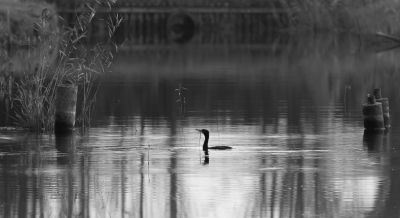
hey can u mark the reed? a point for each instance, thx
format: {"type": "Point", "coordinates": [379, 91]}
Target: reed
{"type": "Point", "coordinates": [182, 106]}
{"type": "Point", "coordinates": [63, 59]}
{"type": "Point", "coordinates": [181, 100]}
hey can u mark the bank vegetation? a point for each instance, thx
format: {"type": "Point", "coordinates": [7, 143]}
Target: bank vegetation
{"type": "Point", "coordinates": [362, 17]}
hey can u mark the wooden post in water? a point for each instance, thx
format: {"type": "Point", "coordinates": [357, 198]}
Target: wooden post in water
{"type": "Point", "coordinates": [66, 98]}
{"type": "Point", "coordinates": [373, 115]}
{"type": "Point", "coordinates": [385, 106]}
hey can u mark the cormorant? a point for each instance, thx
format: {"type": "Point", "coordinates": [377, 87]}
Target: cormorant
{"type": "Point", "coordinates": [205, 145]}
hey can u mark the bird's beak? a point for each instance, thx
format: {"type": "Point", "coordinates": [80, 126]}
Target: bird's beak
{"type": "Point", "coordinates": [198, 130]}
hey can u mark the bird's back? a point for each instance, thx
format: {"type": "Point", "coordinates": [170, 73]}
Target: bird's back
{"type": "Point", "coordinates": [222, 147]}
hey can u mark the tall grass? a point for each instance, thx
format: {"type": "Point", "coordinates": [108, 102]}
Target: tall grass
{"type": "Point", "coordinates": [63, 60]}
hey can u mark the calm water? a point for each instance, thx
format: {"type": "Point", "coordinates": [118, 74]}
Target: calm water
{"type": "Point", "coordinates": [297, 132]}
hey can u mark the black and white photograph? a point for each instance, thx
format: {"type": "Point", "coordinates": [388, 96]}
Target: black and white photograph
{"type": "Point", "coordinates": [199, 108]}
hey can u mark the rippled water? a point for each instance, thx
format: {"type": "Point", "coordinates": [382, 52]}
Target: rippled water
{"type": "Point", "coordinates": [297, 133]}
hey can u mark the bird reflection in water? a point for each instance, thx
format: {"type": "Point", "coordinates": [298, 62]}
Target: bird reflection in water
{"type": "Point", "coordinates": [206, 159]}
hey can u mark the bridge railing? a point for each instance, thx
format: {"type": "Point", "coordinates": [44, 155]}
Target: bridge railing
{"type": "Point", "coordinates": [74, 4]}
{"type": "Point", "coordinates": [160, 22]}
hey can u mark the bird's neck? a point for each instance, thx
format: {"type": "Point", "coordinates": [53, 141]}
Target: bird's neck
{"type": "Point", "coordinates": [205, 144]}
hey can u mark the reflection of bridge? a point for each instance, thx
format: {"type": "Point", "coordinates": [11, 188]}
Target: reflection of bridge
{"type": "Point", "coordinates": [206, 21]}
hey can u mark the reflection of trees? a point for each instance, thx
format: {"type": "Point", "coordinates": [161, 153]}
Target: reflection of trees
{"type": "Point", "coordinates": [84, 196]}
{"type": "Point", "coordinates": [173, 197]}
{"type": "Point", "coordinates": [90, 190]}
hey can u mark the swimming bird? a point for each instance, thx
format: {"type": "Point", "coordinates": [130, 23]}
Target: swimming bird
{"type": "Point", "coordinates": [206, 134]}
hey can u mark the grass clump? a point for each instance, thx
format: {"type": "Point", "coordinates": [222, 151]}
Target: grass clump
{"type": "Point", "coordinates": [64, 60]}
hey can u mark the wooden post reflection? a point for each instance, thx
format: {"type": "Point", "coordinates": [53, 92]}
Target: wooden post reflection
{"type": "Point", "coordinates": [65, 144]}
{"type": "Point", "coordinates": [373, 139]}
{"type": "Point", "coordinates": [5, 200]}
{"type": "Point", "coordinates": [84, 188]}
{"type": "Point", "coordinates": [70, 195]}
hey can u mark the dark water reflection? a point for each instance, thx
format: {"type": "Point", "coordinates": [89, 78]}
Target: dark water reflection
{"type": "Point", "coordinates": [297, 132]}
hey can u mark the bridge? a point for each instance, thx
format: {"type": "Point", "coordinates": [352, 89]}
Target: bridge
{"type": "Point", "coordinates": [200, 21]}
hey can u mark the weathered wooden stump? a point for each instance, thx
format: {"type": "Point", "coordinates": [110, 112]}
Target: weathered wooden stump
{"type": "Point", "coordinates": [385, 107]}
{"type": "Point", "coordinates": [373, 115]}
{"type": "Point", "coordinates": [66, 98]}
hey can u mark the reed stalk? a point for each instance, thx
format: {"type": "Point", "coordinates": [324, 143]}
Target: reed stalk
{"type": "Point", "coordinates": [182, 106]}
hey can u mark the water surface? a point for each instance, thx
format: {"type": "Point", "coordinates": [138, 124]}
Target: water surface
{"type": "Point", "coordinates": [291, 109]}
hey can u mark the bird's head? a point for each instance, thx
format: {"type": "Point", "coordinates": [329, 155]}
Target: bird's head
{"type": "Point", "coordinates": [204, 131]}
